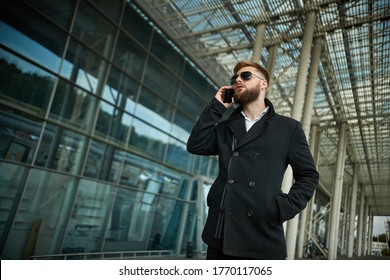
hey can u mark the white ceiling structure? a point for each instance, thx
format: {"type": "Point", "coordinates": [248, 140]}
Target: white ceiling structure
{"type": "Point", "coordinates": [353, 81]}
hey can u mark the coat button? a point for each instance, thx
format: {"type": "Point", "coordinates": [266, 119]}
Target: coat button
{"type": "Point", "coordinates": [236, 154]}
{"type": "Point", "coordinates": [230, 181]}
{"type": "Point", "coordinates": [250, 213]}
{"type": "Point", "coordinates": [252, 184]}
{"type": "Point", "coordinates": [256, 155]}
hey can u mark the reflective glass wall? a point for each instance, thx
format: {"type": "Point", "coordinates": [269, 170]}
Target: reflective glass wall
{"type": "Point", "coordinates": [96, 106]}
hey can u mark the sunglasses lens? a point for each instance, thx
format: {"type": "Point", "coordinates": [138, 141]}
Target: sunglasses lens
{"type": "Point", "coordinates": [233, 80]}
{"type": "Point", "coordinates": [246, 75]}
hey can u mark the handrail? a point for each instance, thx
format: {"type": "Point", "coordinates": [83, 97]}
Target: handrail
{"type": "Point", "coordinates": [119, 255]}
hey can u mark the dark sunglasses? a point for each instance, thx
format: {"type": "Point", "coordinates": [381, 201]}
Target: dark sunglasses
{"type": "Point", "coordinates": [246, 76]}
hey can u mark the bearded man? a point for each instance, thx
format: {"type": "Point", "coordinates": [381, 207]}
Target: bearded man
{"type": "Point", "coordinates": [254, 146]}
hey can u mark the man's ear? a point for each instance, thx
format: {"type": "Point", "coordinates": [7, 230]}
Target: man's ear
{"type": "Point", "coordinates": [264, 84]}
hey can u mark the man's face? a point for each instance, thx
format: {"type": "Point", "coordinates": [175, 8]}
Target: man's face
{"type": "Point", "coordinates": [247, 91]}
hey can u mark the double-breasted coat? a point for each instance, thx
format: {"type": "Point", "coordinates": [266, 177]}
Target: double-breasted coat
{"type": "Point", "coordinates": [246, 204]}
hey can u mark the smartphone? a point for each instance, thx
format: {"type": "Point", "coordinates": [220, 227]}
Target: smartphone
{"type": "Point", "coordinates": [227, 95]}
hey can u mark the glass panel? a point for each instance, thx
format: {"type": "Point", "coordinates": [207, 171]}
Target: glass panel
{"type": "Point", "coordinates": [113, 123]}
{"type": "Point", "coordinates": [73, 106]}
{"type": "Point", "coordinates": [24, 84]}
{"type": "Point", "coordinates": [104, 162]}
{"type": "Point", "coordinates": [160, 80]}
{"type": "Point", "coordinates": [191, 102]}
{"type": "Point", "coordinates": [111, 8]}
{"type": "Point", "coordinates": [121, 90]}
{"type": "Point", "coordinates": [177, 154]}
{"type": "Point", "coordinates": [83, 67]}
{"type": "Point", "coordinates": [148, 140]}
{"type": "Point", "coordinates": [62, 150]}
{"type": "Point", "coordinates": [20, 35]}
{"type": "Point", "coordinates": [154, 110]}
{"type": "Point", "coordinates": [182, 126]}
{"type": "Point", "coordinates": [198, 82]}
{"type": "Point", "coordinates": [94, 164]}
{"type": "Point", "coordinates": [136, 25]}
{"type": "Point", "coordinates": [89, 217]}
{"type": "Point", "coordinates": [129, 56]}
{"type": "Point", "coordinates": [12, 178]}
{"type": "Point", "coordinates": [18, 135]}
{"type": "Point", "coordinates": [43, 210]}
{"type": "Point", "coordinates": [131, 220]}
{"type": "Point", "coordinates": [94, 30]}
{"type": "Point", "coordinates": [167, 53]}
{"type": "Point", "coordinates": [144, 218]}
{"type": "Point", "coordinates": [57, 10]}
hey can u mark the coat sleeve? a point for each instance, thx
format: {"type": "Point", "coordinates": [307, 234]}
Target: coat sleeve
{"type": "Point", "coordinates": [305, 175]}
{"type": "Point", "coordinates": [202, 140]}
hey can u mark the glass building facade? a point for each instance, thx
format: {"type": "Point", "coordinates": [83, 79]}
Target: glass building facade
{"type": "Point", "coordinates": [96, 105]}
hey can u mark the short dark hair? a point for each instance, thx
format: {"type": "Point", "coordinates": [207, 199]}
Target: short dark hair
{"type": "Point", "coordinates": [242, 64]}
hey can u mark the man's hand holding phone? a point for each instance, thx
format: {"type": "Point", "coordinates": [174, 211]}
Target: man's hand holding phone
{"type": "Point", "coordinates": [225, 95]}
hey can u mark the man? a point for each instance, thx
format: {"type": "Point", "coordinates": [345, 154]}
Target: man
{"type": "Point", "coordinates": [254, 144]}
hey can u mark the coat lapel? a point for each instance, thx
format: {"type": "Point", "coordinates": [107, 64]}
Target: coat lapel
{"type": "Point", "coordinates": [237, 125]}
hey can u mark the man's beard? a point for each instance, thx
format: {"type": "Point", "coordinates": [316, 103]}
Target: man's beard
{"type": "Point", "coordinates": [247, 96]}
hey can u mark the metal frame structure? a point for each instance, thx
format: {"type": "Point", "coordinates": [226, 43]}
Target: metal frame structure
{"type": "Point", "coordinates": [352, 86]}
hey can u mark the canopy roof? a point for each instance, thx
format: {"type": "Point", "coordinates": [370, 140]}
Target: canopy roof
{"type": "Point", "coordinates": [353, 82]}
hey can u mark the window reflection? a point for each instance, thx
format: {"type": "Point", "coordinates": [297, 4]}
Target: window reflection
{"type": "Point", "coordinates": [154, 110]}
{"type": "Point", "coordinates": [24, 83]}
{"type": "Point", "coordinates": [113, 123]}
{"type": "Point", "coordinates": [177, 154]}
{"type": "Point", "coordinates": [73, 106]}
{"type": "Point", "coordinates": [189, 100]}
{"type": "Point", "coordinates": [148, 140]}
{"type": "Point", "coordinates": [12, 177]}
{"type": "Point", "coordinates": [161, 81]}
{"type": "Point", "coordinates": [121, 90]}
{"type": "Point", "coordinates": [61, 150]}
{"type": "Point", "coordinates": [167, 53]}
{"type": "Point", "coordinates": [91, 210]}
{"type": "Point", "coordinates": [83, 67]}
{"type": "Point", "coordinates": [58, 10]}
{"type": "Point", "coordinates": [93, 29]}
{"type": "Point", "coordinates": [44, 51]}
{"type": "Point", "coordinates": [18, 136]}
{"type": "Point", "coordinates": [132, 19]}
{"type": "Point", "coordinates": [129, 56]}
{"type": "Point", "coordinates": [106, 130]}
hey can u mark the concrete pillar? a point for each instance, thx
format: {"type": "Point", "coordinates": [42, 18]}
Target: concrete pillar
{"type": "Point", "coordinates": [260, 28]}
{"type": "Point", "coordinates": [272, 54]}
{"type": "Point", "coordinates": [370, 229]}
{"type": "Point", "coordinates": [344, 228]}
{"type": "Point", "coordinates": [352, 221]}
{"type": "Point", "coordinates": [311, 83]}
{"type": "Point", "coordinates": [365, 229]}
{"type": "Point", "coordinates": [306, 122]}
{"type": "Point", "coordinates": [336, 195]}
{"type": "Point", "coordinates": [303, 66]}
{"type": "Point", "coordinates": [292, 225]}
{"type": "Point", "coordinates": [360, 223]}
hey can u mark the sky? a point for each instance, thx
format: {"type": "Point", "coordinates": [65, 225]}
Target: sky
{"type": "Point", "coordinates": [379, 225]}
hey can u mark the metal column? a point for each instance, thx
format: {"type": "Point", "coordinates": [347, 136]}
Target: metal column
{"type": "Point", "coordinates": [352, 219]}
{"type": "Point", "coordinates": [360, 223]}
{"type": "Point", "coordinates": [365, 229]}
{"type": "Point", "coordinates": [292, 225]}
{"type": "Point", "coordinates": [306, 122]}
{"type": "Point", "coordinates": [336, 195]}
{"type": "Point", "coordinates": [272, 54]}
{"type": "Point", "coordinates": [260, 28]}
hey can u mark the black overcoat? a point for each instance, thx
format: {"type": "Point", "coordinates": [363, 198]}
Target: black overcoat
{"type": "Point", "coordinates": [246, 204]}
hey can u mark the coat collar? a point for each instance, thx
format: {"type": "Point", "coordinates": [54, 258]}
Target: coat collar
{"type": "Point", "coordinates": [236, 123]}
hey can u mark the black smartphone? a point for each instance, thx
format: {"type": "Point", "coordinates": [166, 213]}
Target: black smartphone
{"type": "Point", "coordinates": [227, 95]}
